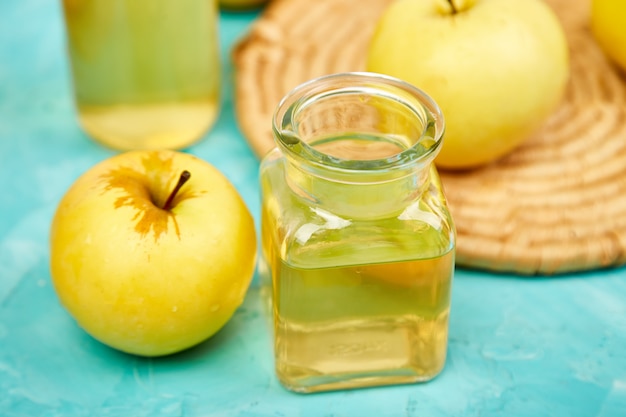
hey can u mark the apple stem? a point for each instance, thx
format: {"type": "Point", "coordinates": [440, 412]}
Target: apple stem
{"type": "Point", "coordinates": [184, 177]}
{"type": "Point", "coordinates": [454, 10]}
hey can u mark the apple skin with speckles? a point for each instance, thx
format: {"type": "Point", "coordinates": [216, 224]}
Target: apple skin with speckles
{"type": "Point", "coordinates": [143, 279]}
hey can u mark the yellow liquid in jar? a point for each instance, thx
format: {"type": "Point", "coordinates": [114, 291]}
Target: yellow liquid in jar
{"type": "Point", "coordinates": [362, 325]}
{"type": "Point", "coordinates": [360, 272]}
{"type": "Point", "coordinates": [146, 72]}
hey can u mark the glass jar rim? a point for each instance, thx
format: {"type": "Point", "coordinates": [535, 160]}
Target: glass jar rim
{"type": "Point", "coordinates": [301, 96]}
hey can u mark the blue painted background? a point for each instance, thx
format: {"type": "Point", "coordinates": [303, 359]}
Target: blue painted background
{"type": "Point", "coordinates": [518, 346]}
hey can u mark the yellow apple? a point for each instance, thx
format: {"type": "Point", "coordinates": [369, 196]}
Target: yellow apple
{"type": "Point", "coordinates": [148, 263]}
{"type": "Point", "coordinates": [497, 68]}
{"type": "Point", "coordinates": [608, 25]}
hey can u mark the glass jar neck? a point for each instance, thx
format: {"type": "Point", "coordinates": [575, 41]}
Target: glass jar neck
{"type": "Point", "coordinates": [357, 197]}
{"type": "Point", "coordinates": [359, 144]}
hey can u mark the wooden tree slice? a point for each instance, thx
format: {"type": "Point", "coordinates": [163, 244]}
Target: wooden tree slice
{"type": "Point", "coordinates": [556, 204]}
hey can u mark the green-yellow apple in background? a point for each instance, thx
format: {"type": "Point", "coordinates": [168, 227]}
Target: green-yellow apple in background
{"type": "Point", "coordinates": [608, 25]}
{"type": "Point", "coordinates": [497, 68]}
{"type": "Point", "coordinates": [152, 251]}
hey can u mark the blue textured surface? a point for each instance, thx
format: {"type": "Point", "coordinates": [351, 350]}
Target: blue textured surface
{"type": "Point", "coordinates": [518, 346]}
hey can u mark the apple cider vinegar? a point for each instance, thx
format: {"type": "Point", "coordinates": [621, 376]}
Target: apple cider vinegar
{"type": "Point", "coordinates": [357, 240]}
{"type": "Point", "coordinates": [372, 322]}
{"type": "Point", "coordinates": [146, 72]}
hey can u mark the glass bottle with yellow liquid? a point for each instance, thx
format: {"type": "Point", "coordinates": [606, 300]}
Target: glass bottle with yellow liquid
{"type": "Point", "coordinates": [357, 240]}
{"type": "Point", "coordinates": [146, 73]}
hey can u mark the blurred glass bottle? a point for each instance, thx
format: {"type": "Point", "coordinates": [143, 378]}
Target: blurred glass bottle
{"type": "Point", "coordinates": [146, 73]}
